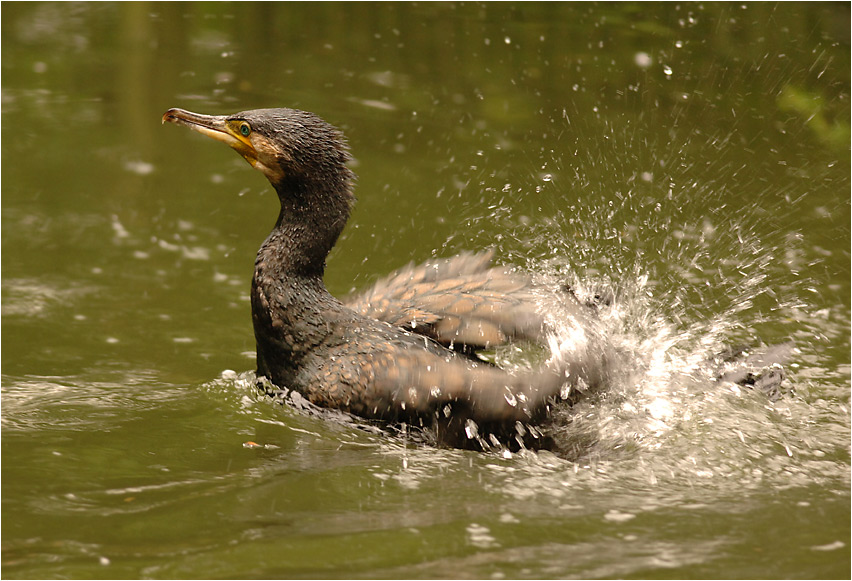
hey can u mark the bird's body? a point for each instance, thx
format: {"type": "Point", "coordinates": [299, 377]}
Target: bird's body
{"type": "Point", "coordinates": [400, 352]}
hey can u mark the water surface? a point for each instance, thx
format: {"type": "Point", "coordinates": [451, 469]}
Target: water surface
{"type": "Point", "coordinates": [691, 159]}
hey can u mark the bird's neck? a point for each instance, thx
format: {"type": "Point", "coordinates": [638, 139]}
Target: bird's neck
{"type": "Point", "coordinates": [291, 308]}
{"type": "Point", "coordinates": [312, 218]}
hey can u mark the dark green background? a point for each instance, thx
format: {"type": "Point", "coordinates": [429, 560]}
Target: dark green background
{"type": "Point", "coordinates": [694, 158]}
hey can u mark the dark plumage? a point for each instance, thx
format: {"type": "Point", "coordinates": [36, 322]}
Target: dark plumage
{"type": "Point", "coordinates": [400, 351]}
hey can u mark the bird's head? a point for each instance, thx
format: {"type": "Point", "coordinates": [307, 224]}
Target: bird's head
{"type": "Point", "coordinates": [286, 145]}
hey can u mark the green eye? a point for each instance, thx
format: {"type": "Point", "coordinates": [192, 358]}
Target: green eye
{"type": "Point", "coordinates": [245, 129]}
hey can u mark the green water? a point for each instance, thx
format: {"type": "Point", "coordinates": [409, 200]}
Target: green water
{"type": "Point", "coordinates": [692, 158]}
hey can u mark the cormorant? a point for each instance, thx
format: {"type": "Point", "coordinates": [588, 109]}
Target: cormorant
{"type": "Point", "coordinates": [400, 352]}
{"type": "Point", "coordinates": [404, 351]}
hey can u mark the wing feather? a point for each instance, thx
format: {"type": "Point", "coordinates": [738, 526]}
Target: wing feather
{"type": "Point", "coordinates": [463, 302]}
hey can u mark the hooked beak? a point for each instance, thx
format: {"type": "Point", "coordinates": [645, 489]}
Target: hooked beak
{"type": "Point", "coordinates": [214, 126]}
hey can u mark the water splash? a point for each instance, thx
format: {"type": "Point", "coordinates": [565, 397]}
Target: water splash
{"type": "Point", "coordinates": [685, 234]}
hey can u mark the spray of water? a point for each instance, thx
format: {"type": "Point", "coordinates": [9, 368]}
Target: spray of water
{"type": "Point", "coordinates": [677, 241]}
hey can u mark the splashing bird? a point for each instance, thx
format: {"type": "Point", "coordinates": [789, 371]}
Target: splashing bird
{"type": "Point", "coordinates": [404, 351]}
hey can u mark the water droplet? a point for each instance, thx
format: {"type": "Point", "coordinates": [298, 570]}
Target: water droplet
{"type": "Point", "coordinates": [667, 70]}
{"type": "Point", "coordinates": [471, 429]}
{"type": "Point", "coordinates": [642, 59]}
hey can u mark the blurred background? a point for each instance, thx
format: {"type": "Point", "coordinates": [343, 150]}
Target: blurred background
{"type": "Point", "coordinates": [692, 158]}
